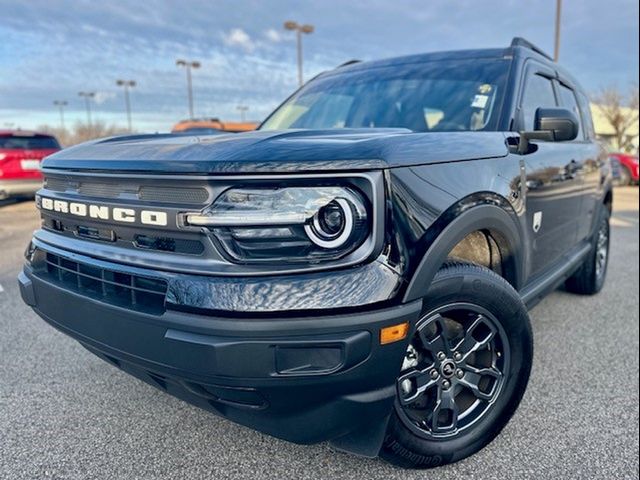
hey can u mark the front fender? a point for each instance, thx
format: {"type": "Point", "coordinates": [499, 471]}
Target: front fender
{"type": "Point", "coordinates": [501, 224]}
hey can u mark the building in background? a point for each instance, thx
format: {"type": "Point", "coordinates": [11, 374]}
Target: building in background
{"type": "Point", "coordinates": [606, 133]}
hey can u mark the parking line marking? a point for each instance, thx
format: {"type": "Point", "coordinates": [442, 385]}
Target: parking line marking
{"type": "Point", "coordinates": [1, 289]}
{"type": "Point", "coordinates": [618, 222]}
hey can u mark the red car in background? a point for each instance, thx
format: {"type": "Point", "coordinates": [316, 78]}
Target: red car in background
{"type": "Point", "coordinates": [628, 168]}
{"type": "Point", "coordinates": [20, 154]}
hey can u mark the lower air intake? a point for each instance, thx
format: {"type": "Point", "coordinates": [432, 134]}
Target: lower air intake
{"type": "Point", "coordinates": [122, 289]}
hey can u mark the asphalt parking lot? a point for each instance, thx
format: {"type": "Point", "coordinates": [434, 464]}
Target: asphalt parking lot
{"type": "Point", "coordinates": [66, 414]}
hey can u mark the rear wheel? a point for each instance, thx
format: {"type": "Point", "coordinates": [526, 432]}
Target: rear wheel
{"type": "Point", "coordinates": [589, 278]}
{"type": "Point", "coordinates": [465, 370]}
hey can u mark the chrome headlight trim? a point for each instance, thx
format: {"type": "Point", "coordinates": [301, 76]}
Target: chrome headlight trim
{"type": "Point", "coordinates": [369, 184]}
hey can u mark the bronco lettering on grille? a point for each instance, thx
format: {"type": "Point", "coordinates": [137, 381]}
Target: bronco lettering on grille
{"type": "Point", "coordinates": [103, 212]}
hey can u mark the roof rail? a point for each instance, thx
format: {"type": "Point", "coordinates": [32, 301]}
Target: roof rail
{"type": "Point", "coordinates": [521, 42]}
{"type": "Point", "coordinates": [349, 62]}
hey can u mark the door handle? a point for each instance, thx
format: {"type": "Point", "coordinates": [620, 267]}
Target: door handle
{"type": "Point", "coordinates": [573, 168]}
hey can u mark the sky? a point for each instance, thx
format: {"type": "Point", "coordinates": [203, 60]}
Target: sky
{"type": "Point", "coordinates": [52, 49]}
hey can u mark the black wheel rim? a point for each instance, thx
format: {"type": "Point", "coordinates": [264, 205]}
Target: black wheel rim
{"type": "Point", "coordinates": [454, 371]}
{"type": "Point", "coordinates": [602, 249]}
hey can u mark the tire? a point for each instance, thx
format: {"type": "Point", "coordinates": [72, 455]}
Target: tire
{"type": "Point", "coordinates": [460, 291]}
{"type": "Point", "coordinates": [589, 278]}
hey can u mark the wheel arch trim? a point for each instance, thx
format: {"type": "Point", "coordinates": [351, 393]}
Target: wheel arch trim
{"type": "Point", "coordinates": [497, 220]}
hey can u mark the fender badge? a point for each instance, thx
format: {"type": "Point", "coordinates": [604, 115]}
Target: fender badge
{"type": "Point", "coordinates": [537, 221]}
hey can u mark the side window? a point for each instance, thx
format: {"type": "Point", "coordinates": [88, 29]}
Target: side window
{"type": "Point", "coordinates": [587, 121]}
{"type": "Point", "coordinates": [538, 92]}
{"type": "Point", "coordinates": [568, 100]}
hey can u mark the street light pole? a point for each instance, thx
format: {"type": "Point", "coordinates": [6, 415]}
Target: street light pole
{"type": "Point", "coordinates": [242, 109]}
{"type": "Point", "coordinates": [556, 50]}
{"type": "Point", "coordinates": [61, 104]}
{"type": "Point", "coordinates": [299, 29]}
{"type": "Point", "coordinates": [127, 84]}
{"type": "Point", "coordinates": [87, 97]}
{"type": "Point", "coordinates": [188, 66]}
{"type": "Point", "coordinates": [299, 50]}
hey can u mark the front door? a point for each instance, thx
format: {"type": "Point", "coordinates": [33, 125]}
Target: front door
{"type": "Point", "coordinates": [553, 178]}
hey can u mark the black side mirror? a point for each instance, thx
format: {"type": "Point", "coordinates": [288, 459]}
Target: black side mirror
{"type": "Point", "coordinates": [551, 124]}
{"type": "Point", "coordinates": [560, 122]}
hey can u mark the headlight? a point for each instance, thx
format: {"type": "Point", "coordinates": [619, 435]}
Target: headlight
{"type": "Point", "coordinates": [292, 224]}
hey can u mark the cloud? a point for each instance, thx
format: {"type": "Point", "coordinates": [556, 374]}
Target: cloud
{"type": "Point", "coordinates": [236, 37]}
{"type": "Point", "coordinates": [102, 97]}
{"type": "Point", "coordinates": [56, 49]}
{"type": "Point", "coordinates": [273, 35]}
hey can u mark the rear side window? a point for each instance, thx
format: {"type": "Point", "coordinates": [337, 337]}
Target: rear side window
{"type": "Point", "coordinates": [585, 110]}
{"type": "Point", "coordinates": [28, 142]}
{"type": "Point", "coordinates": [538, 92]}
{"type": "Point", "coordinates": [568, 100]}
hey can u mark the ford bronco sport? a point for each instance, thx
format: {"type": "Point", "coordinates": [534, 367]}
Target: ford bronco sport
{"type": "Point", "coordinates": [358, 270]}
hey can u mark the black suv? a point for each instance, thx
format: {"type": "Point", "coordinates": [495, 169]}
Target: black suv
{"type": "Point", "coordinates": [358, 270]}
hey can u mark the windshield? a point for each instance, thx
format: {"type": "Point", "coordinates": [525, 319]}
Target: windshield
{"type": "Point", "coordinates": [28, 142]}
{"type": "Point", "coordinates": [436, 96]}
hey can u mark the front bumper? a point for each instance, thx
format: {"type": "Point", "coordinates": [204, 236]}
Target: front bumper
{"type": "Point", "coordinates": [15, 188]}
{"type": "Point", "coordinates": [305, 378]}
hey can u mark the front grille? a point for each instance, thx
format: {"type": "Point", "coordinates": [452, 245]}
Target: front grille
{"type": "Point", "coordinates": [135, 292]}
{"type": "Point", "coordinates": [102, 190]}
{"type": "Point", "coordinates": [174, 195]}
{"type": "Point", "coordinates": [128, 190]}
{"type": "Point", "coordinates": [57, 184]}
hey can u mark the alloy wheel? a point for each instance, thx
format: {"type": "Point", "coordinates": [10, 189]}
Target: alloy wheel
{"type": "Point", "coordinates": [602, 249]}
{"type": "Point", "coordinates": [453, 372]}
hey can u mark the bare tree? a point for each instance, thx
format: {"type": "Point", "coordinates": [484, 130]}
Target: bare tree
{"type": "Point", "coordinates": [81, 132]}
{"type": "Point", "coordinates": [64, 136]}
{"type": "Point", "coordinates": [621, 112]}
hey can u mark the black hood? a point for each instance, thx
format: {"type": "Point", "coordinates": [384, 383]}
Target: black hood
{"type": "Point", "coordinates": [277, 151]}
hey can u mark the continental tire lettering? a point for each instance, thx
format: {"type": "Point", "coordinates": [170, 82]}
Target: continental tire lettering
{"type": "Point", "coordinates": [415, 458]}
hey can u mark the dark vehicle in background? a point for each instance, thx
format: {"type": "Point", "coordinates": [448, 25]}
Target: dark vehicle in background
{"type": "Point", "coordinates": [21, 152]}
{"type": "Point", "coordinates": [359, 270]}
{"type": "Point", "coordinates": [627, 166]}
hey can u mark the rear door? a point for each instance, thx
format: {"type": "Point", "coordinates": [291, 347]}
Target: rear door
{"type": "Point", "coordinates": [22, 152]}
{"type": "Point", "coordinates": [554, 184]}
{"type": "Point", "coordinates": [595, 160]}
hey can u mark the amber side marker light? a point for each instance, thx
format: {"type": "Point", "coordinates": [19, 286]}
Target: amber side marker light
{"type": "Point", "coordinates": [394, 333]}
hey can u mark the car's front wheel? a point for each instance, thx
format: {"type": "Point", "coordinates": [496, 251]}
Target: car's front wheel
{"type": "Point", "coordinates": [465, 370]}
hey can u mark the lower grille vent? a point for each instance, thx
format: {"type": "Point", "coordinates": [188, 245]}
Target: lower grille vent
{"type": "Point", "coordinates": [129, 291]}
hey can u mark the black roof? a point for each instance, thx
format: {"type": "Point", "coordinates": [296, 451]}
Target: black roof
{"type": "Point", "coordinates": [521, 42]}
{"type": "Point", "coordinates": [518, 46]}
